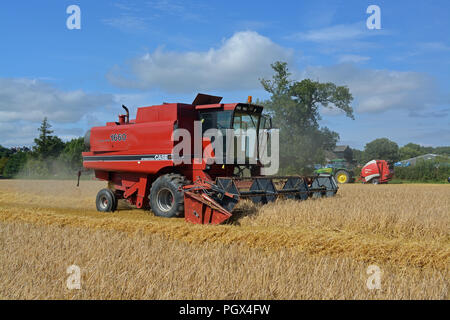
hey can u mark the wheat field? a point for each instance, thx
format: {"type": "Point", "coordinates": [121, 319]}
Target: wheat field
{"type": "Point", "coordinates": [315, 249]}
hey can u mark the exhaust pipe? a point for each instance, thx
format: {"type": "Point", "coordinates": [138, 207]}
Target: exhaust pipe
{"type": "Point", "coordinates": [128, 114]}
{"type": "Point", "coordinates": [124, 119]}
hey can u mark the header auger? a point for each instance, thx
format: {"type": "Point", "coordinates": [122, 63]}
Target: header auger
{"type": "Point", "coordinates": [143, 163]}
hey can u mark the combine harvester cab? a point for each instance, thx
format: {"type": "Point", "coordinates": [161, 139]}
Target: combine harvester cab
{"type": "Point", "coordinates": [143, 163]}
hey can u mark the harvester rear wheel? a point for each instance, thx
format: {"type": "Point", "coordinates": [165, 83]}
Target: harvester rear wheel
{"type": "Point", "coordinates": [375, 181]}
{"type": "Point", "coordinates": [166, 196]}
{"type": "Point", "coordinates": [342, 176]}
{"type": "Point", "coordinates": [106, 201]}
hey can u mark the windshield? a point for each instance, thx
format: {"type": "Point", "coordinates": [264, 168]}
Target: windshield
{"type": "Point", "coordinates": [216, 120]}
{"type": "Point", "coordinates": [245, 121]}
{"type": "Point", "coordinates": [245, 126]}
{"type": "Point", "coordinates": [241, 122]}
{"type": "Point", "coordinates": [225, 120]}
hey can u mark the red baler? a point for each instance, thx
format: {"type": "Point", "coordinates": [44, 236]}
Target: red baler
{"type": "Point", "coordinates": [376, 171]}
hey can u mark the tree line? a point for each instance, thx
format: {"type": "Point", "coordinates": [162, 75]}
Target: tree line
{"type": "Point", "coordinates": [49, 157]}
{"type": "Point", "coordinates": [383, 148]}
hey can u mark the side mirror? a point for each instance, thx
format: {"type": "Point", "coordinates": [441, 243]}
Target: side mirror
{"type": "Point", "coordinates": [269, 121]}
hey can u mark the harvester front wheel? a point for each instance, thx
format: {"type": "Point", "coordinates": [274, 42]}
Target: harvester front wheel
{"type": "Point", "coordinates": [166, 196]}
{"type": "Point", "coordinates": [106, 201]}
{"type": "Point", "coordinates": [342, 176]}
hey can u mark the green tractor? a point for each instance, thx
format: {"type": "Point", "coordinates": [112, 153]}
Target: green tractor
{"type": "Point", "coordinates": [339, 168]}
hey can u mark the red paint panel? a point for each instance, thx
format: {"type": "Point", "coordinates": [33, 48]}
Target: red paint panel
{"type": "Point", "coordinates": [130, 139]}
{"type": "Point", "coordinates": [200, 210]}
{"type": "Point", "coordinates": [165, 112]}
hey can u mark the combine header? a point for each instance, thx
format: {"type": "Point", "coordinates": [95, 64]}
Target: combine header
{"type": "Point", "coordinates": [140, 159]}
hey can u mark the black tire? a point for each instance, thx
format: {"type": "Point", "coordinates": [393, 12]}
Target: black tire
{"type": "Point", "coordinates": [344, 173]}
{"type": "Point", "coordinates": [106, 201]}
{"type": "Point", "coordinates": [375, 181]}
{"type": "Point", "coordinates": [166, 196]}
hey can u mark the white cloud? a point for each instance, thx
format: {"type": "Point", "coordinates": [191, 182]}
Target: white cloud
{"type": "Point", "coordinates": [379, 90]}
{"type": "Point", "coordinates": [127, 22]}
{"type": "Point", "coordinates": [427, 51]}
{"type": "Point", "coordinates": [434, 46]}
{"type": "Point", "coordinates": [352, 58]}
{"type": "Point", "coordinates": [185, 10]}
{"type": "Point", "coordinates": [168, 7]}
{"type": "Point", "coordinates": [17, 133]}
{"type": "Point", "coordinates": [25, 102]}
{"type": "Point", "coordinates": [32, 100]}
{"type": "Point", "coordinates": [334, 33]}
{"type": "Point", "coordinates": [124, 6]}
{"type": "Point", "coordinates": [135, 18]}
{"type": "Point", "coordinates": [246, 57]}
{"type": "Point", "coordinates": [237, 64]}
{"type": "Point", "coordinates": [22, 133]}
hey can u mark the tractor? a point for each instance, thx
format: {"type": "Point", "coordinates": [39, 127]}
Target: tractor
{"type": "Point", "coordinates": [340, 169]}
{"type": "Point", "coordinates": [141, 161]}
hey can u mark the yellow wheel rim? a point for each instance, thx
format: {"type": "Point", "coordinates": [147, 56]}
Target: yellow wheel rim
{"type": "Point", "coordinates": [342, 178]}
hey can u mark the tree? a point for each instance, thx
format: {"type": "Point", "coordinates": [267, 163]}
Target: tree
{"type": "Point", "coordinates": [383, 149]}
{"type": "Point", "coordinates": [358, 155]}
{"type": "Point", "coordinates": [3, 162]}
{"type": "Point", "coordinates": [294, 107]}
{"type": "Point", "coordinates": [46, 145]}
{"type": "Point", "coordinates": [406, 152]}
{"type": "Point", "coordinates": [15, 164]}
{"type": "Point", "coordinates": [414, 146]}
{"type": "Point", "coordinates": [412, 150]}
{"type": "Point", "coordinates": [442, 150]}
{"type": "Point", "coordinates": [71, 154]}
{"type": "Point", "coordinates": [4, 152]}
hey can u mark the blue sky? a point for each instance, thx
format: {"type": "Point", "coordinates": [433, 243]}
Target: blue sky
{"type": "Point", "coordinates": [145, 52]}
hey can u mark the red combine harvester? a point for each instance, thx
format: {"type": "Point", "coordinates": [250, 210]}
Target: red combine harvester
{"type": "Point", "coordinates": [376, 171]}
{"type": "Point", "coordinates": [136, 157]}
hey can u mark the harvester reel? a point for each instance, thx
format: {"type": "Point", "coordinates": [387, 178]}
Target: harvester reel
{"type": "Point", "coordinates": [328, 185]}
{"type": "Point", "coordinates": [266, 187]}
{"type": "Point", "coordinates": [298, 184]}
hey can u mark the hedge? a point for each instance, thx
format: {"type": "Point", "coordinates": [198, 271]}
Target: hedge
{"type": "Point", "coordinates": [426, 171]}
